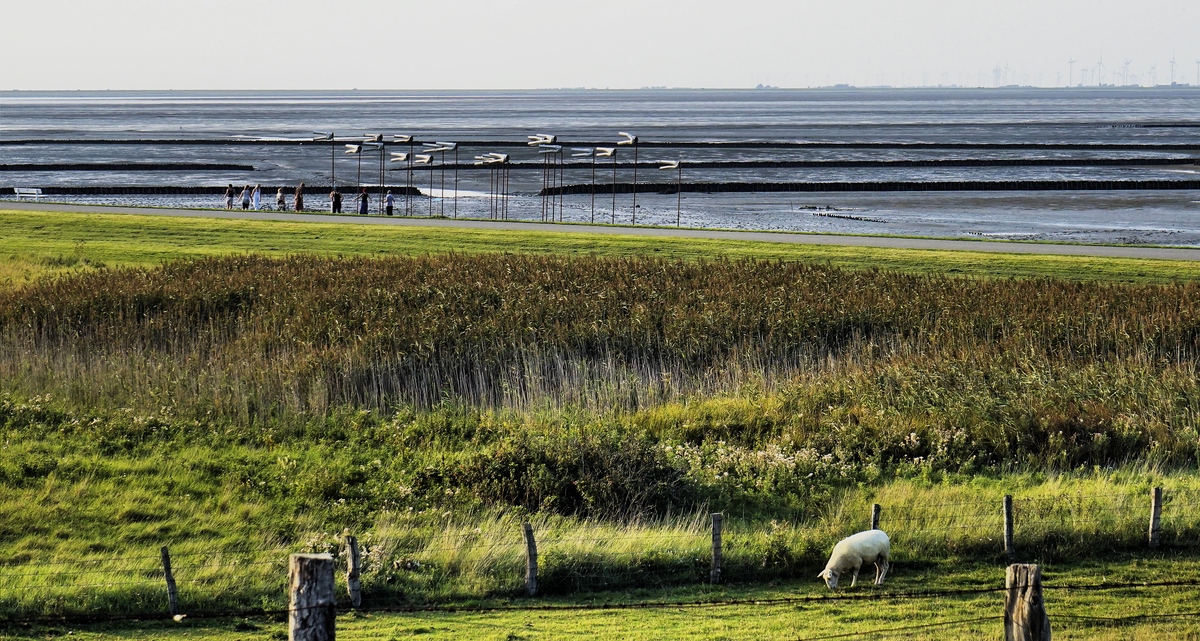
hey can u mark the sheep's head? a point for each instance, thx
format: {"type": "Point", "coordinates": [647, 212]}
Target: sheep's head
{"type": "Point", "coordinates": [831, 578]}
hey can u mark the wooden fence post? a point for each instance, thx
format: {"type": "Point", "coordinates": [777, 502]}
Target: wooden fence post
{"type": "Point", "coordinates": [1025, 616]}
{"type": "Point", "coordinates": [718, 521]}
{"type": "Point", "coordinates": [1155, 516]}
{"type": "Point", "coordinates": [353, 571]}
{"type": "Point", "coordinates": [1009, 549]}
{"type": "Point", "coordinates": [313, 606]}
{"type": "Point", "coordinates": [876, 512]}
{"type": "Point", "coordinates": [172, 592]}
{"type": "Point", "coordinates": [531, 561]}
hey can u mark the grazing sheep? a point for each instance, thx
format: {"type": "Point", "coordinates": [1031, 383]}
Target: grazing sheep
{"type": "Point", "coordinates": [852, 552]}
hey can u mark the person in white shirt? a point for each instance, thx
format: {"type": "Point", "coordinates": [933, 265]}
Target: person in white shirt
{"type": "Point", "coordinates": [390, 201]}
{"type": "Point", "coordinates": [256, 195]}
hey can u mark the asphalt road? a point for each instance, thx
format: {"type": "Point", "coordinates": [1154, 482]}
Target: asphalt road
{"type": "Point", "coordinates": [1106, 251]}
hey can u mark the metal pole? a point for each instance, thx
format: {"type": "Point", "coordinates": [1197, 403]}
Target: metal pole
{"type": "Point", "coordinates": [408, 200]}
{"type": "Point", "coordinates": [332, 164]}
{"type": "Point", "coordinates": [431, 174]}
{"type": "Point", "coordinates": [593, 187]}
{"type": "Point", "coordinates": [635, 158]}
{"type": "Point", "coordinates": [456, 181]}
{"type": "Point", "coordinates": [562, 169]}
{"type": "Point", "coordinates": [358, 183]}
{"type": "Point", "coordinates": [442, 200]}
{"type": "Point", "coordinates": [381, 179]}
{"type": "Point", "coordinates": [678, 194]}
{"type": "Point", "coordinates": [614, 206]}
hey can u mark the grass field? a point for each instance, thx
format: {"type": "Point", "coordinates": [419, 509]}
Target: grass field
{"type": "Point", "coordinates": [429, 390]}
{"type": "Point", "coordinates": [806, 616]}
{"type": "Point", "coordinates": [36, 243]}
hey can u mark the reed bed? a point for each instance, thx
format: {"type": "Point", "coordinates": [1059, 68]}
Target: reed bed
{"type": "Point", "coordinates": [253, 338]}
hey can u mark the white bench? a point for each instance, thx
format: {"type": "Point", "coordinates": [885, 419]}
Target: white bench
{"type": "Point", "coordinates": [28, 192]}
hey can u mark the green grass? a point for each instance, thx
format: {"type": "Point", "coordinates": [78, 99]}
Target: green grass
{"type": "Point", "coordinates": [749, 621]}
{"type": "Point", "coordinates": [37, 243]}
{"type": "Point", "coordinates": [227, 409]}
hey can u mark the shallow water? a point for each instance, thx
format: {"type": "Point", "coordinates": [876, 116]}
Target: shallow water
{"type": "Point", "coordinates": [1080, 118]}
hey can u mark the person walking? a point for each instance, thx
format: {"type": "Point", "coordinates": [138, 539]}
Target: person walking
{"type": "Point", "coordinates": [389, 201]}
{"type": "Point", "coordinates": [299, 198]}
{"type": "Point", "coordinates": [364, 201]}
{"type": "Point", "coordinates": [335, 201]}
{"type": "Point", "coordinates": [280, 200]}
{"type": "Point", "coordinates": [246, 197]}
{"type": "Point", "coordinates": [256, 196]}
{"type": "Point", "coordinates": [229, 197]}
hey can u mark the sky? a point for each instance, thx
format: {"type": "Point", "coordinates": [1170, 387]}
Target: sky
{"type": "Point", "coordinates": [529, 44]}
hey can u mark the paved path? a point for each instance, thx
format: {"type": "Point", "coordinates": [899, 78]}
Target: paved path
{"type": "Point", "coordinates": [656, 232]}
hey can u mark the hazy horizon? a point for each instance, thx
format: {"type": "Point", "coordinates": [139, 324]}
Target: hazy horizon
{"type": "Point", "coordinates": [622, 44]}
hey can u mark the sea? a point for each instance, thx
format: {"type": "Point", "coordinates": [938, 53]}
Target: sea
{"type": "Point", "coordinates": [726, 142]}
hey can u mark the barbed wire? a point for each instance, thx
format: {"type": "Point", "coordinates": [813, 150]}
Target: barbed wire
{"type": "Point", "coordinates": [547, 607]}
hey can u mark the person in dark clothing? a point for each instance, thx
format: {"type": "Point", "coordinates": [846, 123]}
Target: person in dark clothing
{"type": "Point", "coordinates": [229, 197]}
{"type": "Point", "coordinates": [363, 202]}
{"type": "Point", "coordinates": [300, 197]}
{"type": "Point", "coordinates": [335, 202]}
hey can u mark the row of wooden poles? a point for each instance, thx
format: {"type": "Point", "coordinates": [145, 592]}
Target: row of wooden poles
{"type": "Point", "coordinates": [312, 608]}
{"type": "Point", "coordinates": [311, 580]}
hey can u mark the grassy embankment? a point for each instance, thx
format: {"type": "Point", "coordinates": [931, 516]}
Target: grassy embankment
{"type": "Point", "coordinates": [40, 243]}
{"type": "Point", "coordinates": [250, 407]}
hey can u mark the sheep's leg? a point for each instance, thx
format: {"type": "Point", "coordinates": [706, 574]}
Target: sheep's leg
{"type": "Point", "coordinates": [881, 570]}
{"type": "Point", "coordinates": [854, 579]}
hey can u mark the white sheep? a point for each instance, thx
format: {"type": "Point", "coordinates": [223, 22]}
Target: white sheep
{"type": "Point", "coordinates": [852, 552]}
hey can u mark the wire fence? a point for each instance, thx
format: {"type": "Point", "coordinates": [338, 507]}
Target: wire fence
{"type": "Point", "coordinates": [450, 565]}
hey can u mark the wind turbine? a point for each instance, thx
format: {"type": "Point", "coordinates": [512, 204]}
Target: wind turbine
{"type": "Point", "coordinates": [1071, 69]}
{"type": "Point", "coordinates": [1100, 72]}
{"type": "Point", "coordinates": [1172, 69]}
{"type": "Point", "coordinates": [1198, 72]}
{"type": "Point", "coordinates": [1125, 73]}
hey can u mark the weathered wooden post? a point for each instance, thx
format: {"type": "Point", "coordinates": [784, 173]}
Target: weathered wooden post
{"type": "Point", "coordinates": [1155, 516]}
{"type": "Point", "coordinates": [1025, 616]}
{"type": "Point", "coordinates": [531, 561]}
{"type": "Point", "coordinates": [312, 609]}
{"type": "Point", "coordinates": [1009, 549]}
{"type": "Point", "coordinates": [353, 571]}
{"type": "Point", "coordinates": [718, 521]}
{"type": "Point", "coordinates": [172, 592]}
{"type": "Point", "coordinates": [876, 512]}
